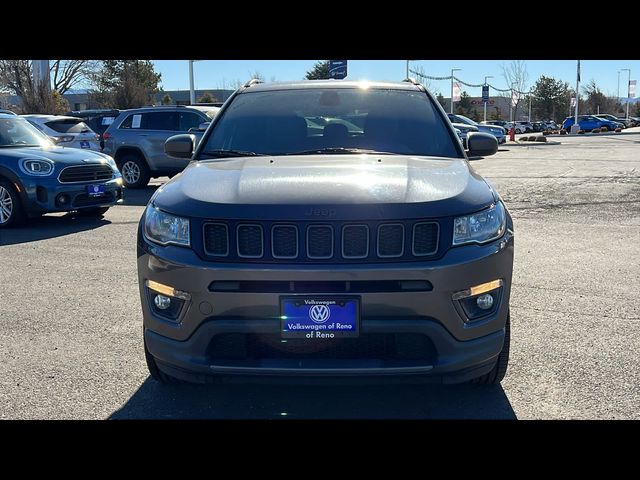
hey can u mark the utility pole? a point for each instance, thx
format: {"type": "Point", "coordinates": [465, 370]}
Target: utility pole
{"type": "Point", "coordinates": [485, 103]}
{"type": "Point", "coordinates": [453, 70]}
{"type": "Point", "coordinates": [529, 106]}
{"type": "Point", "coordinates": [575, 128]}
{"type": "Point", "coordinates": [407, 76]}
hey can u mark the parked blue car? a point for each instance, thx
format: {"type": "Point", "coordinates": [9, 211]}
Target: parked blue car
{"type": "Point", "coordinates": [589, 122]}
{"type": "Point", "coordinates": [38, 177]}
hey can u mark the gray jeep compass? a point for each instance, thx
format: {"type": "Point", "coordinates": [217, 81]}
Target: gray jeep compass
{"type": "Point", "coordinates": [327, 228]}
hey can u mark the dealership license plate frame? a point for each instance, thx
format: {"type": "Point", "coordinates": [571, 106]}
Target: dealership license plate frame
{"type": "Point", "coordinates": [337, 334]}
{"type": "Point", "coordinates": [85, 144]}
{"type": "Point", "coordinates": [92, 192]}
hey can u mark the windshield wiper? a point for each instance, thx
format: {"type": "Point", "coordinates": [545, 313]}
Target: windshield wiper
{"type": "Point", "coordinates": [231, 153]}
{"type": "Point", "coordinates": [339, 150]}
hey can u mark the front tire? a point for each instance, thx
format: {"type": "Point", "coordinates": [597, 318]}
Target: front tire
{"type": "Point", "coordinates": [11, 213]}
{"type": "Point", "coordinates": [155, 372]}
{"type": "Point", "coordinates": [495, 376]}
{"type": "Point", "coordinates": [135, 171]}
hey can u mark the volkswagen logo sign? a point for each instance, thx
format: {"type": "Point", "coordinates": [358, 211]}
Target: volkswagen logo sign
{"type": "Point", "coordinates": [319, 313]}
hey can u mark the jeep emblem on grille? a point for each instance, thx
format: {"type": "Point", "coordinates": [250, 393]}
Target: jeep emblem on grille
{"type": "Point", "coordinates": [320, 212]}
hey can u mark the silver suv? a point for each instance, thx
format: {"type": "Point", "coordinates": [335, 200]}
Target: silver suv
{"type": "Point", "coordinates": [136, 139]}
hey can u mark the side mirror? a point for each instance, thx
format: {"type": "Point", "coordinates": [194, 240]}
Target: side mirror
{"type": "Point", "coordinates": [204, 125]}
{"type": "Point", "coordinates": [180, 146]}
{"type": "Point", "coordinates": [481, 144]}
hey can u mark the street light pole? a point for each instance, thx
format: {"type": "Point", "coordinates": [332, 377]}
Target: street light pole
{"type": "Point", "coordinates": [192, 92]}
{"type": "Point", "coordinates": [485, 103]}
{"type": "Point", "coordinates": [453, 70]}
{"type": "Point", "coordinates": [511, 119]}
{"type": "Point", "coordinates": [575, 128]}
{"type": "Point", "coordinates": [618, 97]}
{"type": "Point", "coordinates": [407, 70]}
{"type": "Point", "coordinates": [628, 70]}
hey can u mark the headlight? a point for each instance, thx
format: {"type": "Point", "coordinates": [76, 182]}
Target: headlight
{"type": "Point", "coordinates": [37, 167]}
{"type": "Point", "coordinates": [480, 227]}
{"type": "Point", "coordinates": [163, 228]}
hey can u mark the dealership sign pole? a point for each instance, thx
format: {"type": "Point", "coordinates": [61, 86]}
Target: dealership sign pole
{"type": "Point", "coordinates": [485, 95]}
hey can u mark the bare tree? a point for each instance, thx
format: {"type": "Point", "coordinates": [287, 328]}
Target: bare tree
{"type": "Point", "coordinates": [517, 77]}
{"type": "Point", "coordinates": [419, 72]}
{"type": "Point", "coordinates": [16, 77]}
{"type": "Point", "coordinates": [66, 74]}
{"type": "Point", "coordinates": [257, 75]}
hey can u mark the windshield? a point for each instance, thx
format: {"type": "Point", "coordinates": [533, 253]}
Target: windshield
{"type": "Point", "coordinates": [332, 120]}
{"type": "Point", "coordinates": [68, 125]}
{"type": "Point", "coordinates": [466, 120]}
{"type": "Point", "coordinates": [17, 132]}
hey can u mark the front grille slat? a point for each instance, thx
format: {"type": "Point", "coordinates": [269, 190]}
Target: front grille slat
{"type": "Point", "coordinates": [250, 240]}
{"type": "Point", "coordinates": [355, 241]}
{"type": "Point", "coordinates": [86, 173]}
{"type": "Point", "coordinates": [390, 240]}
{"type": "Point", "coordinates": [307, 242]}
{"type": "Point", "coordinates": [425, 238]}
{"type": "Point", "coordinates": [320, 241]}
{"type": "Point", "coordinates": [216, 239]}
{"type": "Point", "coordinates": [284, 241]}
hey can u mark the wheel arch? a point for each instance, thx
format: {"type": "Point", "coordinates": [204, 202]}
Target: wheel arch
{"type": "Point", "coordinates": [122, 151]}
{"type": "Point", "coordinates": [10, 176]}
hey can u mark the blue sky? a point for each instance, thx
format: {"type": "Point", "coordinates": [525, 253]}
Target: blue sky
{"type": "Point", "coordinates": [211, 74]}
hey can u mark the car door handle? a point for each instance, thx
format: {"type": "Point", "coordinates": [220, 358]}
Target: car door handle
{"type": "Point", "coordinates": [143, 134]}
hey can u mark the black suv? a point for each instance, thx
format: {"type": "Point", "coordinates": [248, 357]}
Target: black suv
{"type": "Point", "coordinates": [327, 228]}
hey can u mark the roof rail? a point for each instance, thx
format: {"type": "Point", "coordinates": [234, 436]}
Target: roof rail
{"type": "Point", "coordinates": [251, 82]}
{"type": "Point", "coordinates": [412, 80]}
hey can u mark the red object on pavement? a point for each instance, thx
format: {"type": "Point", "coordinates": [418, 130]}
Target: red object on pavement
{"type": "Point", "coordinates": [512, 134]}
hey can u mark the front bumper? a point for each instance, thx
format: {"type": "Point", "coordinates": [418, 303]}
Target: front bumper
{"type": "Point", "coordinates": [458, 350]}
{"type": "Point", "coordinates": [39, 195]}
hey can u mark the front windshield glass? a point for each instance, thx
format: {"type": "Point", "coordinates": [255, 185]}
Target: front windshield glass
{"type": "Point", "coordinates": [17, 132]}
{"type": "Point", "coordinates": [466, 120]}
{"type": "Point", "coordinates": [341, 120]}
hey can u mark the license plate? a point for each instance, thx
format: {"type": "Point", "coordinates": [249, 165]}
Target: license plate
{"type": "Point", "coordinates": [95, 190]}
{"type": "Point", "coordinates": [85, 145]}
{"type": "Point", "coordinates": [319, 318]}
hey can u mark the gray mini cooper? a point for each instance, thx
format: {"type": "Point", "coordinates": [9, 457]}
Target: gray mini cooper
{"type": "Point", "coordinates": [327, 228]}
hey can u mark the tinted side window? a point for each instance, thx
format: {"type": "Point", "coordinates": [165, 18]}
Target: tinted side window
{"type": "Point", "coordinates": [189, 120]}
{"type": "Point", "coordinates": [159, 121]}
{"type": "Point", "coordinates": [127, 122]}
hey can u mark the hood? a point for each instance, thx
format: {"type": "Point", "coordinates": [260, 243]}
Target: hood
{"type": "Point", "coordinates": [449, 185]}
{"type": "Point", "coordinates": [59, 155]}
{"type": "Point", "coordinates": [465, 127]}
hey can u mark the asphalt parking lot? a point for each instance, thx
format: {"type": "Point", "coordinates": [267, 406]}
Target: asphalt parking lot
{"type": "Point", "coordinates": [70, 321]}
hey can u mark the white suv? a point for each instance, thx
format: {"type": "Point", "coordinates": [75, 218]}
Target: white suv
{"type": "Point", "coordinates": [66, 131]}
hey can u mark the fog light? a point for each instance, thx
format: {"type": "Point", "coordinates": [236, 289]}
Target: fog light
{"type": "Point", "coordinates": [162, 302]}
{"type": "Point", "coordinates": [485, 301]}
{"type": "Point", "coordinates": [62, 199]}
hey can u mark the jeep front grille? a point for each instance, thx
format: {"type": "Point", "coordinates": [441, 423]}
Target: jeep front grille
{"type": "Point", "coordinates": [309, 242]}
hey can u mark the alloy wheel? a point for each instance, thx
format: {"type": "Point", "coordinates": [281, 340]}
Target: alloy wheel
{"type": "Point", "coordinates": [131, 172]}
{"type": "Point", "coordinates": [6, 205]}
